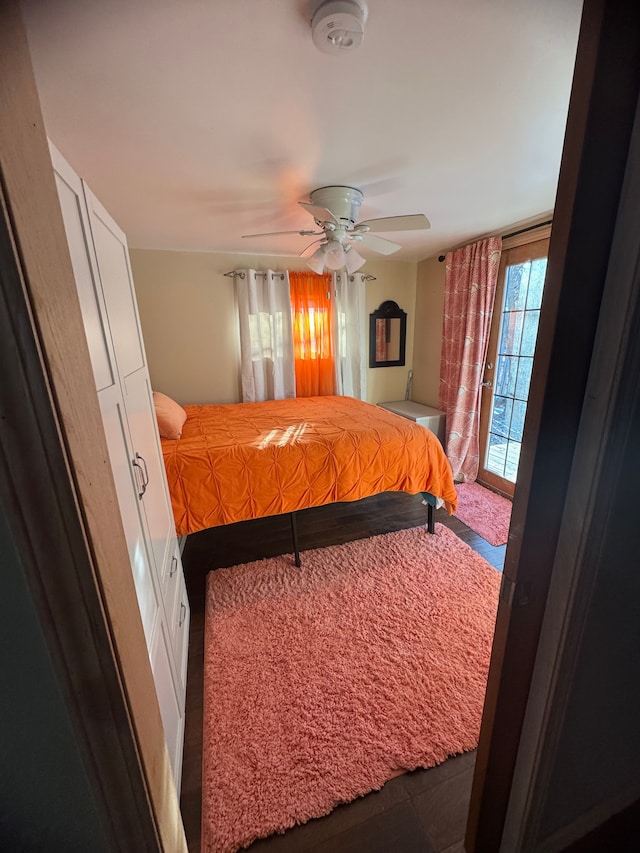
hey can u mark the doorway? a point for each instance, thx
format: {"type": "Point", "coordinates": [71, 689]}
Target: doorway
{"type": "Point", "coordinates": [507, 375]}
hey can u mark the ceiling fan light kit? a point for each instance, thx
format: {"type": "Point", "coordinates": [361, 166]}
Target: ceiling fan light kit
{"type": "Point", "coordinates": [337, 26]}
{"type": "Point", "coordinates": [334, 256]}
{"type": "Point", "coordinates": [353, 261]}
{"type": "Point", "coordinates": [316, 261]}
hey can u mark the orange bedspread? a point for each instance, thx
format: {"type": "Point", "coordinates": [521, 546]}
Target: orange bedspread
{"type": "Point", "coordinates": [248, 460]}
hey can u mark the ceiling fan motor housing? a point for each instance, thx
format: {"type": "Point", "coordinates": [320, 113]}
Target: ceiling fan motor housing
{"type": "Point", "coordinates": [337, 26]}
{"type": "Point", "coordinates": [343, 202]}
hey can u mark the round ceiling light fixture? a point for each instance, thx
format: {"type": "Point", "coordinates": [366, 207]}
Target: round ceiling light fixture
{"type": "Point", "coordinates": [337, 26]}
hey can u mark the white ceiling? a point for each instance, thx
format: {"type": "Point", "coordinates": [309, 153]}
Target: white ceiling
{"type": "Point", "coordinates": [198, 121]}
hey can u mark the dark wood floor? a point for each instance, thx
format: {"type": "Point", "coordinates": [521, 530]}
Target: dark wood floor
{"type": "Point", "coordinates": [422, 811]}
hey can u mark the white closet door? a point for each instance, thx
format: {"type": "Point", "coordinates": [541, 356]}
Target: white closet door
{"type": "Point", "coordinates": [146, 444]}
{"type": "Point", "coordinates": [172, 717]}
{"type": "Point", "coordinates": [76, 223]}
{"type": "Point", "coordinates": [117, 286]}
{"type": "Point", "coordinates": [180, 633]}
{"type": "Point", "coordinates": [128, 487]}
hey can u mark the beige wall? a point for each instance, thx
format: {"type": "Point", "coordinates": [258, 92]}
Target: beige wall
{"type": "Point", "coordinates": [190, 327]}
{"type": "Point", "coordinates": [428, 334]}
{"type": "Point", "coordinates": [187, 311]}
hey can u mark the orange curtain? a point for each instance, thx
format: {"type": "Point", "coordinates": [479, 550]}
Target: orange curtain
{"type": "Point", "coordinates": [312, 338]}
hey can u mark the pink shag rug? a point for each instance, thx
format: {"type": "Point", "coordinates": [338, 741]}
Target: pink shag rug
{"type": "Point", "coordinates": [323, 683]}
{"type": "Point", "coordinates": [485, 512]}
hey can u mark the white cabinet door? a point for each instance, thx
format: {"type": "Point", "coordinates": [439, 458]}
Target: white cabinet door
{"type": "Point", "coordinates": [172, 717]}
{"type": "Point", "coordinates": [76, 223]}
{"type": "Point", "coordinates": [143, 428]}
{"type": "Point", "coordinates": [176, 609]}
{"type": "Point", "coordinates": [180, 634]}
{"type": "Point", "coordinates": [170, 580]}
{"type": "Point", "coordinates": [124, 475]}
{"type": "Point", "coordinates": [117, 286]}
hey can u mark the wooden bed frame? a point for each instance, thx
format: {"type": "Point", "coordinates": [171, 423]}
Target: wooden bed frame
{"type": "Point", "coordinates": [431, 525]}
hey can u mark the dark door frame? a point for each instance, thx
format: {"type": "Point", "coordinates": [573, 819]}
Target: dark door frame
{"type": "Point", "coordinates": [602, 109]}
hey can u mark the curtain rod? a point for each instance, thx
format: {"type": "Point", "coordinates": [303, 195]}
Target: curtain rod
{"type": "Point", "coordinates": [530, 228]}
{"type": "Point", "coordinates": [280, 275]}
{"type": "Point", "coordinates": [236, 274]}
{"type": "Point", "coordinates": [514, 233]}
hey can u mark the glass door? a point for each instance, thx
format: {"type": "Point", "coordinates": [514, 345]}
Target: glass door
{"type": "Point", "coordinates": [507, 374]}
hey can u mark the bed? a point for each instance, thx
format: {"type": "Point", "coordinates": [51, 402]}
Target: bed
{"type": "Point", "coordinates": [249, 460]}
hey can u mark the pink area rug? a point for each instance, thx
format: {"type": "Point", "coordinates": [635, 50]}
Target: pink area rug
{"type": "Point", "coordinates": [322, 683]}
{"type": "Point", "coordinates": [485, 512]}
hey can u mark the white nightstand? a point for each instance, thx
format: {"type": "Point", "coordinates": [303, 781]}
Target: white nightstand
{"type": "Point", "coordinates": [426, 416]}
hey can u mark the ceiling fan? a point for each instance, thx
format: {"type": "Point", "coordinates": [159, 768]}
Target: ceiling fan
{"type": "Point", "coordinates": [335, 212]}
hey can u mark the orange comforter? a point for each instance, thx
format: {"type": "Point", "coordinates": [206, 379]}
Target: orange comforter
{"type": "Point", "coordinates": [248, 460]}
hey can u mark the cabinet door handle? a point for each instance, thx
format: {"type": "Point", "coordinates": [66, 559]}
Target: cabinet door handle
{"type": "Point", "coordinates": [183, 614]}
{"type": "Point", "coordinates": [146, 471]}
{"type": "Point", "coordinates": [174, 566]}
{"type": "Point", "coordinates": [145, 481]}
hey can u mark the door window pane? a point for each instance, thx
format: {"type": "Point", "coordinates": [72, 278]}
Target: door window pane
{"type": "Point", "coordinates": [497, 454]}
{"type": "Point", "coordinates": [517, 420]}
{"type": "Point", "coordinates": [515, 297]}
{"type": "Point", "coordinates": [529, 332]}
{"type": "Point", "coordinates": [511, 333]}
{"type": "Point", "coordinates": [501, 416]}
{"type": "Point", "coordinates": [512, 460]}
{"type": "Point", "coordinates": [506, 374]}
{"type": "Point", "coordinates": [523, 381]}
{"type": "Point", "coordinates": [536, 283]}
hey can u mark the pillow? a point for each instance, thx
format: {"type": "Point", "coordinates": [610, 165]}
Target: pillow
{"type": "Point", "coordinates": [169, 414]}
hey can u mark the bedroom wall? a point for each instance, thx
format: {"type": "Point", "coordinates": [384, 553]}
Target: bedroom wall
{"type": "Point", "coordinates": [430, 280]}
{"type": "Point", "coordinates": [189, 322]}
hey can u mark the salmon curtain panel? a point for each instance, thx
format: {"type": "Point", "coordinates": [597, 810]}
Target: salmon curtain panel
{"type": "Point", "coordinates": [470, 288]}
{"type": "Point", "coordinates": [313, 347]}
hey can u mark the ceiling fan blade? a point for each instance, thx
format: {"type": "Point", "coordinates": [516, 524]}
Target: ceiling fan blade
{"type": "Point", "coordinates": [413, 222]}
{"type": "Point", "coordinates": [377, 244]}
{"type": "Point", "coordinates": [320, 214]}
{"type": "Point", "coordinates": [278, 233]}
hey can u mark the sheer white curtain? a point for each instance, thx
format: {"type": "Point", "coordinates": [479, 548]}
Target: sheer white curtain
{"type": "Point", "coordinates": [266, 337]}
{"type": "Point", "coordinates": [351, 334]}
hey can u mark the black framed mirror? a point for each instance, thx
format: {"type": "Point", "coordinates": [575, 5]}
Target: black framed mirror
{"type": "Point", "coordinates": [387, 335]}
